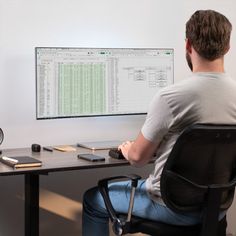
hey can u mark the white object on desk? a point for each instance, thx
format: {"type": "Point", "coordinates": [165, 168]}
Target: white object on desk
{"type": "Point", "coordinates": [10, 159]}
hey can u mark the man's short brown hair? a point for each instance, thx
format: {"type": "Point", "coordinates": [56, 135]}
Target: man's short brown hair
{"type": "Point", "coordinates": [209, 33]}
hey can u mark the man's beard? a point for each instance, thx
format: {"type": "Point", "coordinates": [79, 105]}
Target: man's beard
{"type": "Point", "coordinates": [189, 61]}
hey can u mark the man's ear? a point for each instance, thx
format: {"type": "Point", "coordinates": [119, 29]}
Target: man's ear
{"type": "Point", "coordinates": [227, 49]}
{"type": "Point", "coordinates": [188, 46]}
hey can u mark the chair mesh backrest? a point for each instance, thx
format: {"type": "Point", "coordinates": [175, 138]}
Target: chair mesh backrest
{"type": "Point", "coordinates": [206, 155]}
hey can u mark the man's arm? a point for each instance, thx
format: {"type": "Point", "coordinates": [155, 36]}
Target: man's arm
{"type": "Point", "coordinates": [139, 152]}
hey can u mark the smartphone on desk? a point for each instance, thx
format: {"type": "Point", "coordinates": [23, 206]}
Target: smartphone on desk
{"type": "Point", "coordinates": [91, 157]}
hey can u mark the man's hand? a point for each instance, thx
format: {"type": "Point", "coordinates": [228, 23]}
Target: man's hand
{"type": "Point", "coordinates": [139, 152]}
{"type": "Point", "coordinates": [125, 147]}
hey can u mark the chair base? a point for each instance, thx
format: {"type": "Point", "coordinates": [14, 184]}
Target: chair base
{"type": "Point", "coordinates": [162, 229]}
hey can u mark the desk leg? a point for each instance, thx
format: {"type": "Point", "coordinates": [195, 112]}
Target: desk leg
{"type": "Point", "coordinates": [31, 205]}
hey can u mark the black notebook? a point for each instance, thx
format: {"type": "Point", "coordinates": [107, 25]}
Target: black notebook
{"type": "Point", "coordinates": [20, 161]}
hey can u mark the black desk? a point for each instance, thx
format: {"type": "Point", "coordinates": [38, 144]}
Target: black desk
{"type": "Point", "coordinates": [51, 162]}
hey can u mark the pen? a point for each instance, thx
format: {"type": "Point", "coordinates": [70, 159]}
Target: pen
{"type": "Point", "coordinates": [10, 159]}
{"type": "Point", "coordinates": [47, 149]}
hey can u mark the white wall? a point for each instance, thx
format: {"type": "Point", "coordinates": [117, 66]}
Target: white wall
{"type": "Point", "coordinates": [25, 24]}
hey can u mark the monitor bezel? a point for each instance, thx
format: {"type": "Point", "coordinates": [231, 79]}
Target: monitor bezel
{"type": "Point", "coordinates": [95, 48]}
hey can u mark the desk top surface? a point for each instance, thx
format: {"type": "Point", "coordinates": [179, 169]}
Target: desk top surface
{"type": "Point", "coordinates": [58, 161]}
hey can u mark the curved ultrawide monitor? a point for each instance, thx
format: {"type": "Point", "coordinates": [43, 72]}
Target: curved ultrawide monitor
{"type": "Point", "coordinates": [79, 82]}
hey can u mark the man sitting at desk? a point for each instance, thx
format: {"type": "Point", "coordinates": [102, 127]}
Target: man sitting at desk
{"type": "Point", "coordinates": [208, 96]}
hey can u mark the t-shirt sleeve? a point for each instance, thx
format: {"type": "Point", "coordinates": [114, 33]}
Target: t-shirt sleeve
{"type": "Point", "coordinates": [158, 119]}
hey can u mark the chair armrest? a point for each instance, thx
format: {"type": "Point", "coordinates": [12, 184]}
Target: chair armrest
{"type": "Point", "coordinates": [118, 224]}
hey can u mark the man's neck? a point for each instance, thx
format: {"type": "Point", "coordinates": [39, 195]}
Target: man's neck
{"type": "Point", "coordinates": [203, 65]}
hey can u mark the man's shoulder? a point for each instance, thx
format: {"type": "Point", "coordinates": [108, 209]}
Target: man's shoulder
{"type": "Point", "coordinates": [180, 86]}
{"type": "Point", "coordinates": [197, 82]}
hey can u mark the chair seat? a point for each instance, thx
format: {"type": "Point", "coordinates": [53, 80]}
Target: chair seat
{"type": "Point", "coordinates": [162, 229]}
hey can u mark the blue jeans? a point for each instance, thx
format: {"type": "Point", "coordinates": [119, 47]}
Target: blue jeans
{"type": "Point", "coordinates": [95, 217]}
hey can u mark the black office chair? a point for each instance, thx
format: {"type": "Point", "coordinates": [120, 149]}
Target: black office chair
{"type": "Point", "coordinates": [199, 176]}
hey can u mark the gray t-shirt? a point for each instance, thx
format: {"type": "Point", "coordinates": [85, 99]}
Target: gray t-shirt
{"type": "Point", "coordinates": [202, 98]}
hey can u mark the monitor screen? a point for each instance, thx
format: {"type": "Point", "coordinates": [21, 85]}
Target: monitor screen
{"type": "Point", "coordinates": [77, 82]}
